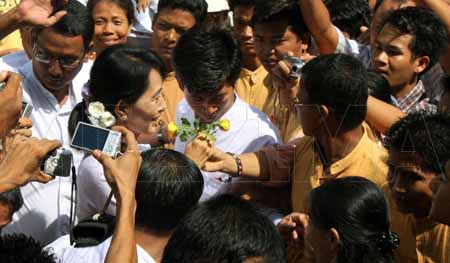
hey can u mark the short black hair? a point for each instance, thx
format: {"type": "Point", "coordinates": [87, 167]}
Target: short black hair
{"type": "Point", "coordinates": [350, 15]}
{"type": "Point", "coordinates": [169, 185]}
{"type": "Point", "coordinates": [339, 82]}
{"type": "Point", "coordinates": [125, 5]}
{"type": "Point", "coordinates": [429, 36]}
{"type": "Point", "coordinates": [205, 61]}
{"type": "Point", "coordinates": [359, 212]}
{"type": "Point", "coordinates": [234, 3]}
{"type": "Point", "coordinates": [276, 10]}
{"type": "Point", "coordinates": [198, 8]}
{"type": "Point", "coordinates": [225, 229]}
{"type": "Point", "coordinates": [120, 73]}
{"type": "Point", "coordinates": [378, 86]}
{"type": "Point", "coordinates": [77, 22]}
{"type": "Point", "coordinates": [18, 248]}
{"type": "Point", "coordinates": [13, 197]}
{"type": "Point", "coordinates": [425, 134]}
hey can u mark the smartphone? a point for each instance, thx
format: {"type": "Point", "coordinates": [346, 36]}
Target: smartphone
{"type": "Point", "coordinates": [88, 137]}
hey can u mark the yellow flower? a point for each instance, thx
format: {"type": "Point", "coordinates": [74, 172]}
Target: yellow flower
{"type": "Point", "coordinates": [172, 129]}
{"type": "Point", "coordinates": [224, 125]}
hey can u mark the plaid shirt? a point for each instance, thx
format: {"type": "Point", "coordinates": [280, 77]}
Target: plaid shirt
{"type": "Point", "coordinates": [416, 100]}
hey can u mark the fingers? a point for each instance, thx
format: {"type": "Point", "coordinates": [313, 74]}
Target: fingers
{"type": "Point", "coordinates": [21, 132]}
{"type": "Point", "coordinates": [25, 123]}
{"type": "Point", "coordinates": [130, 140]}
{"type": "Point", "coordinates": [48, 146]}
{"type": "Point", "coordinates": [12, 81]}
{"type": "Point", "coordinates": [104, 159]}
{"type": "Point", "coordinates": [42, 178]}
{"type": "Point", "coordinates": [54, 18]}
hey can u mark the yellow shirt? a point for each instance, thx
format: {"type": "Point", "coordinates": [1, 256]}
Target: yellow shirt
{"type": "Point", "coordinates": [280, 115]}
{"type": "Point", "coordinates": [421, 241]}
{"type": "Point", "coordinates": [13, 40]}
{"type": "Point", "coordinates": [172, 94]}
{"type": "Point", "coordinates": [250, 87]}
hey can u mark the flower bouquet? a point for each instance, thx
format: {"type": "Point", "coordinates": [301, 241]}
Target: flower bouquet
{"type": "Point", "coordinates": [186, 129]}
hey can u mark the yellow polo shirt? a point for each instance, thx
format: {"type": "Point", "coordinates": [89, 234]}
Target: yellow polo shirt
{"type": "Point", "coordinates": [281, 116]}
{"type": "Point", "coordinates": [172, 94]}
{"type": "Point", "coordinates": [250, 87]}
{"type": "Point", "coordinates": [13, 40]}
{"type": "Point", "coordinates": [421, 240]}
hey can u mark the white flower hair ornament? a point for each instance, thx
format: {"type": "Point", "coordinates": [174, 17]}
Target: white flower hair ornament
{"type": "Point", "coordinates": [100, 117]}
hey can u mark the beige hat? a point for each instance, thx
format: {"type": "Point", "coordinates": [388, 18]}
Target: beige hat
{"type": "Point", "coordinates": [217, 6]}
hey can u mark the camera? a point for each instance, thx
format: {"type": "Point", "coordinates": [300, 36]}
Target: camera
{"type": "Point", "coordinates": [57, 163]}
{"type": "Point", "coordinates": [296, 65]}
{"type": "Point", "coordinates": [2, 85]}
{"type": "Point", "coordinates": [88, 137]}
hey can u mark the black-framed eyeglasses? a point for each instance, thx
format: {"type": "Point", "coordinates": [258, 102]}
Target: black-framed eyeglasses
{"type": "Point", "coordinates": [65, 63]}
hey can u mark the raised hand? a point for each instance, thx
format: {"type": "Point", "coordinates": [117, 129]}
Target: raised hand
{"type": "Point", "coordinates": [41, 12]}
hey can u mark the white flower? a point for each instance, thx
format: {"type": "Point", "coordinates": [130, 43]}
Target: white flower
{"type": "Point", "coordinates": [96, 109]}
{"type": "Point", "coordinates": [107, 119]}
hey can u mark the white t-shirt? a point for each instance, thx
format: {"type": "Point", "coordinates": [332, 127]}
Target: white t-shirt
{"type": "Point", "coordinates": [46, 210]}
{"type": "Point", "coordinates": [250, 130]}
{"type": "Point", "coordinates": [13, 61]}
{"type": "Point", "coordinates": [96, 254]}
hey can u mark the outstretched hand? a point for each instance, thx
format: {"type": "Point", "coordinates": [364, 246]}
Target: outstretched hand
{"type": "Point", "coordinates": [41, 12]}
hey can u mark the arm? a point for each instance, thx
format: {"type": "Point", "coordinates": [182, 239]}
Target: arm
{"type": "Point", "coordinates": [121, 175]}
{"type": "Point", "coordinates": [10, 102]}
{"type": "Point", "coordinates": [317, 19]}
{"type": "Point", "coordinates": [382, 115]}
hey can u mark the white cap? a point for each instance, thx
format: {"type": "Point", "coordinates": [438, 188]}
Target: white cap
{"type": "Point", "coordinates": [217, 6]}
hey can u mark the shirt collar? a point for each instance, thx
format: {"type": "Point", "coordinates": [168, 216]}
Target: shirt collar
{"type": "Point", "coordinates": [408, 101]}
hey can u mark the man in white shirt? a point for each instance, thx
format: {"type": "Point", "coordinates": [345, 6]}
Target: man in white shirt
{"type": "Point", "coordinates": [207, 65]}
{"type": "Point", "coordinates": [168, 186]}
{"type": "Point", "coordinates": [49, 86]}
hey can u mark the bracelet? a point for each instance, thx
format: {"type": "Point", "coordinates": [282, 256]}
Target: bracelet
{"type": "Point", "coordinates": [238, 164]}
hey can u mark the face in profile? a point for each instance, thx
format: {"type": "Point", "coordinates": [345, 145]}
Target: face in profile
{"type": "Point", "coordinates": [167, 29]}
{"type": "Point", "coordinates": [144, 116]}
{"type": "Point", "coordinates": [111, 25]}
{"type": "Point", "coordinates": [57, 59]}
{"type": "Point", "coordinates": [209, 108]}
{"type": "Point", "coordinates": [273, 40]}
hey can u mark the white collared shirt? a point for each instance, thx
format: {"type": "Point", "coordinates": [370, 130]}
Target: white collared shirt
{"type": "Point", "coordinates": [46, 210]}
{"type": "Point", "coordinates": [250, 130]}
{"type": "Point", "coordinates": [12, 62]}
{"type": "Point", "coordinates": [97, 254]}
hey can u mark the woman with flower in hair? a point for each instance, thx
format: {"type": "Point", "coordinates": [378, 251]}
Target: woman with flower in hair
{"type": "Point", "coordinates": [124, 89]}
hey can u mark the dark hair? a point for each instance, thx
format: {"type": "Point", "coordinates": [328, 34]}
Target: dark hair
{"type": "Point", "coordinates": [225, 229]}
{"type": "Point", "coordinates": [125, 5]}
{"type": "Point", "coordinates": [78, 21]}
{"type": "Point", "coordinates": [205, 61]}
{"type": "Point", "coordinates": [198, 8]}
{"type": "Point", "coordinates": [378, 86]}
{"type": "Point", "coordinates": [13, 197]}
{"type": "Point", "coordinates": [234, 3]}
{"type": "Point", "coordinates": [339, 82]}
{"type": "Point", "coordinates": [429, 36]}
{"type": "Point", "coordinates": [424, 133]}
{"type": "Point", "coordinates": [169, 185]}
{"type": "Point", "coordinates": [359, 212]}
{"type": "Point", "coordinates": [350, 15]}
{"type": "Point", "coordinates": [18, 248]}
{"type": "Point", "coordinates": [276, 10]}
{"type": "Point", "coordinates": [120, 73]}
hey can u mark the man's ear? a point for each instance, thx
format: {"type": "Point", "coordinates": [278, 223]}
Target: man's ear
{"type": "Point", "coordinates": [121, 110]}
{"type": "Point", "coordinates": [306, 42]}
{"type": "Point", "coordinates": [335, 241]}
{"type": "Point", "coordinates": [421, 63]}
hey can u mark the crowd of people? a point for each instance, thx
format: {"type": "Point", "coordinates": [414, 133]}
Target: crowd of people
{"type": "Point", "coordinates": [252, 131]}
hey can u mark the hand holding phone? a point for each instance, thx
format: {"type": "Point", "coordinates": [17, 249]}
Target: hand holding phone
{"type": "Point", "coordinates": [88, 137]}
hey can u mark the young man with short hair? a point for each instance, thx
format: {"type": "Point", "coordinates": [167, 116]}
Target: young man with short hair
{"type": "Point", "coordinates": [249, 86]}
{"type": "Point", "coordinates": [207, 65]}
{"type": "Point", "coordinates": [172, 20]}
{"type": "Point", "coordinates": [278, 29]}
{"type": "Point", "coordinates": [168, 186]}
{"type": "Point", "coordinates": [418, 148]}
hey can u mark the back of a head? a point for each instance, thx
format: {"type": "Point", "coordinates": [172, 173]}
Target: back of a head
{"type": "Point", "coordinates": [225, 229]}
{"type": "Point", "coordinates": [276, 10]}
{"type": "Point", "coordinates": [350, 15]}
{"type": "Point", "coordinates": [120, 73]}
{"type": "Point", "coordinates": [169, 185]}
{"type": "Point", "coordinates": [340, 83]}
{"type": "Point", "coordinates": [198, 8]}
{"type": "Point", "coordinates": [429, 36]}
{"type": "Point", "coordinates": [13, 198]}
{"type": "Point", "coordinates": [18, 248]}
{"type": "Point", "coordinates": [378, 86]}
{"type": "Point", "coordinates": [360, 214]}
{"type": "Point", "coordinates": [424, 133]}
{"type": "Point", "coordinates": [205, 61]}
{"type": "Point", "coordinates": [77, 22]}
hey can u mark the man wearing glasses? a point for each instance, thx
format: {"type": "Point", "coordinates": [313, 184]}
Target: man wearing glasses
{"type": "Point", "coordinates": [50, 85]}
